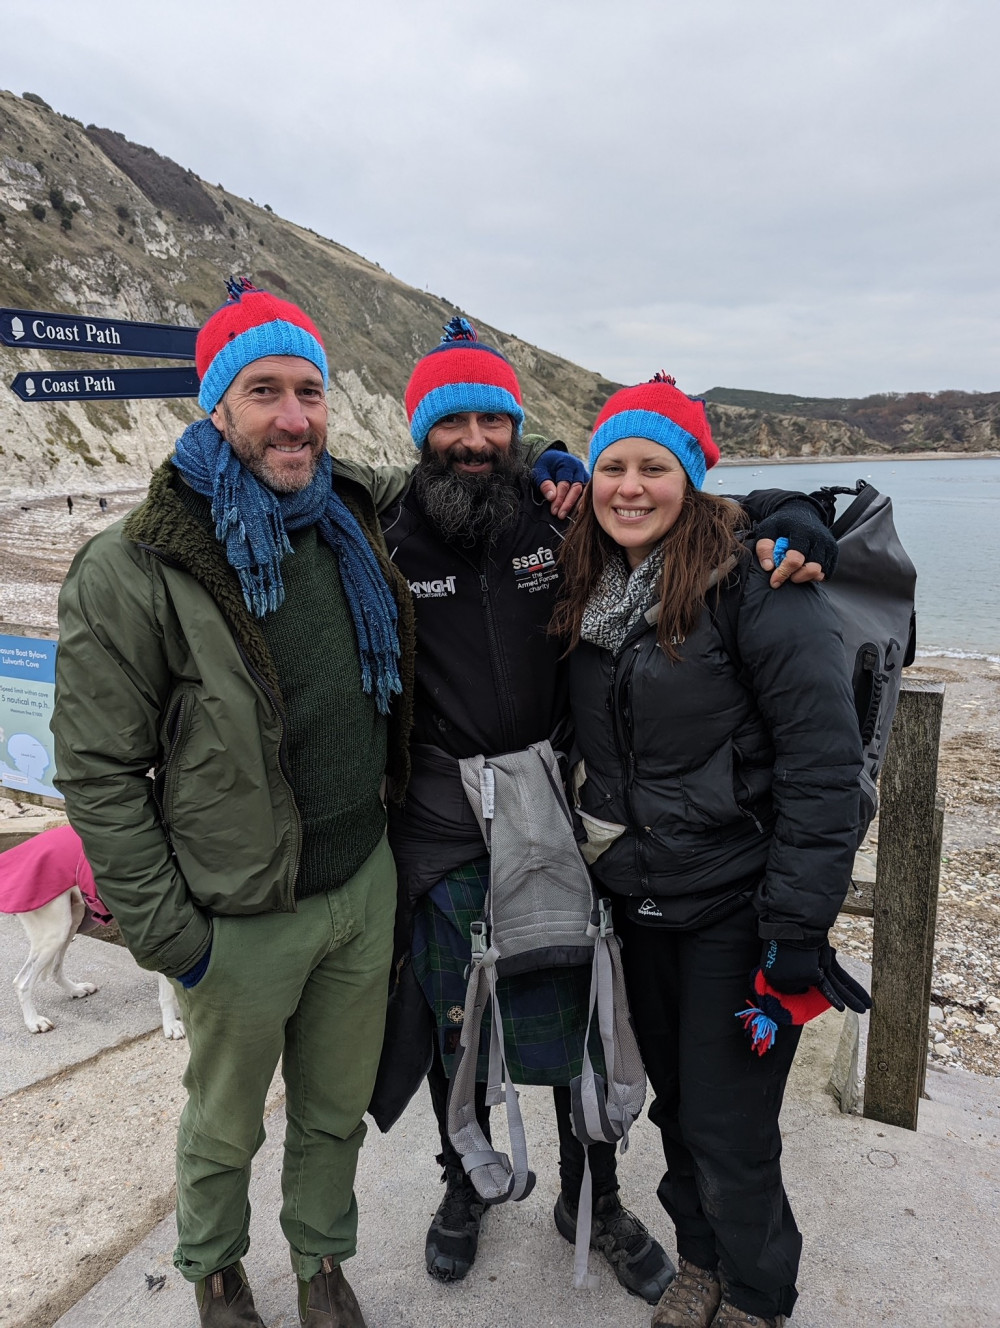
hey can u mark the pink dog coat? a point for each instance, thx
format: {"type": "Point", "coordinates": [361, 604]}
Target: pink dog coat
{"type": "Point", "coordinates": [44, 867]}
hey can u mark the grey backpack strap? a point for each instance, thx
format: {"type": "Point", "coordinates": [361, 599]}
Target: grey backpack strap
{"type": "Point", "coordinates": [490, 1171]}
{"type": "Point", "coordinates": [476, 783]}
{"type": "Point", "coordinates": [604, 1108]}
{"type": "Point", "coordinates": [495, 1178]}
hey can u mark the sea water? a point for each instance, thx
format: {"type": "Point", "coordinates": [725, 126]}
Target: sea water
{"type": "Point", "coordinates": [947, 514]}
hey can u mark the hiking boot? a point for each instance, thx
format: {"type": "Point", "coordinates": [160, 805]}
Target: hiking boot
{"type": "Point", "coordinates": [640, 1263]}
{"type": "Point", "coordinates": [730, 1317]}
{"type": "Point", "coordinates": [691, 1299]}
{"type": "Point", "coordinates": [327, 1301]}
{"type": "Point", "coordinates": [225, 1300]}
{"type": "Point", "coordinates": [453, 1235]}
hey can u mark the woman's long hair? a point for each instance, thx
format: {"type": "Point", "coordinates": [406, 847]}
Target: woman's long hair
{"type": "Point", "coordinates": [702, 541]}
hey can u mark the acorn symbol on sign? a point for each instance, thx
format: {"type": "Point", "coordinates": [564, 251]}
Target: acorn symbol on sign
{"type": "Point", "coordinates": [16, 328]}
{"type": "Point", "coordinates": [29, 386]}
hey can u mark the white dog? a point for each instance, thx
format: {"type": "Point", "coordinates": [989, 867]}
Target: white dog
{"type": "Point", "coordinates": [47, 883]}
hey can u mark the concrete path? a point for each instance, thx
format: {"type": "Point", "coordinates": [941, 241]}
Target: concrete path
{"type": "Point", "coordinates": [900, 1228]}
{"type": "Point", "coordinates": [124, 1007]}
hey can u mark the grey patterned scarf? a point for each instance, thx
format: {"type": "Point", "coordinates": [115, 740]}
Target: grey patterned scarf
{"type": "Point", "coordinates": [620, 599]}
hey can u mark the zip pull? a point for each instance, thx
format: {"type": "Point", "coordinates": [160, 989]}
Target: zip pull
{"type": "Point", "coordinates": [484, 587]}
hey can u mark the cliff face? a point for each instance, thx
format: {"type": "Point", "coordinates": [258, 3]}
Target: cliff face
{"type": "Point", "coordinates": [769, 424]}
{"type": "Point", "coordinates": [94, 224]}
{"type": "Point", "coordinates": [741, 432]}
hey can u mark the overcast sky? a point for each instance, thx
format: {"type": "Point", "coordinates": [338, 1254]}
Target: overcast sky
{"type": "Point", "coordinates": [788, 195]}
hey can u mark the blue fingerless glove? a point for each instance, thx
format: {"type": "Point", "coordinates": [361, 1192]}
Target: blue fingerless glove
{"type": "Point", "coordinates": [558, 466]}
{"type": "Point", "coordinates": [194, 975]}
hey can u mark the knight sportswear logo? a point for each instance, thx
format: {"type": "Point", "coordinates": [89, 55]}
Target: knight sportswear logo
{"type": "Point", "coordinates": [436, 589]}
{"type": "Point", "coordinates": [648, 909]}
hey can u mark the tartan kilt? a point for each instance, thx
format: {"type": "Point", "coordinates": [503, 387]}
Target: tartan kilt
{"type": "Point", "coordinates": [544, 1012]}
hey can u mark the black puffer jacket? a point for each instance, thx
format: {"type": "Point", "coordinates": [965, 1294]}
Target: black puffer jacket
{"type": "Point", "coordinates": [725, 771]}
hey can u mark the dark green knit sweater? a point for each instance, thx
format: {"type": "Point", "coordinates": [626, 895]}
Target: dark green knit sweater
{"type": "Point", "coordinates": [335, 739]}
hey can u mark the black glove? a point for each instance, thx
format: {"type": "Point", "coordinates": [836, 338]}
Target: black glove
{"type": "Point", "coordinates": [792, 969]}
{"type": "Point", "coordinates": [800, 523]}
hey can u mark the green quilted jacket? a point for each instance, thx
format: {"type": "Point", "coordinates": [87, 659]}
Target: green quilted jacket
{"type": "Point", "coordinates": [169, 723]}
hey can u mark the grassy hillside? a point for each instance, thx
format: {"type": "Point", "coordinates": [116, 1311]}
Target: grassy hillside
{"type": "Point", "coordinates": [92, 223]}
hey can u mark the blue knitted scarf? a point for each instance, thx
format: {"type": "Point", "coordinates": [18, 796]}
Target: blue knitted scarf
{"type": "Point", "coordinates": [252, 522]}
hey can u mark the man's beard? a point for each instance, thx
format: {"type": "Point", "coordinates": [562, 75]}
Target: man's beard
{"type": "Point", "coordinates": [466, 508]}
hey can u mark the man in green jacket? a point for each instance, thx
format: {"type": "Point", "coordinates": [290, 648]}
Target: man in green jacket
{"type": "Point", "coordinates": [253, 867]}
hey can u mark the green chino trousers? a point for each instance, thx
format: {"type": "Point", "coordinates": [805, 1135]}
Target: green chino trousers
{"type": "Point", "coordinates": [310, 988]}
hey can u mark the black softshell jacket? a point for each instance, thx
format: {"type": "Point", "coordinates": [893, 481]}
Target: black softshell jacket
{"type": "Point", "coordinates": [726, 771]}
{"type": "Point", "coordinates": [488, 677]}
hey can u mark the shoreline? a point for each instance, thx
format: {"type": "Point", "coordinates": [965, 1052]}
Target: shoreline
{"type": "Point", "coordinates": [822, 459]}
{"type": "Point", "coordinates": [945, 652]}
{"type": "Point", "coordinates": [45, 492]}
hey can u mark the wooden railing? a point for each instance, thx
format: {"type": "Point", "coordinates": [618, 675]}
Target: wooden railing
{"type": "Point", "coordinates": [902, 900]}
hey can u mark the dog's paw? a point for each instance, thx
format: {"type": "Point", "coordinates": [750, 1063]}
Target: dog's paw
{"type": "Point", "coordinates": [39, 1024]}
{"type": "Point", "coordinates": [81, 989]}
{"type": "Point", "coordinates": [173, 1029]}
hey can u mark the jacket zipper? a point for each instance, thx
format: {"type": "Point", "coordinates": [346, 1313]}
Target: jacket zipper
{"type": "Point", "coordinates": [174, 726]}
{"type": "Point", "coordinates": [282, 744]}
{"type": "Point", "coordinates": [621, 719]}
{"type": "Point", "coordinates": [501, 684]}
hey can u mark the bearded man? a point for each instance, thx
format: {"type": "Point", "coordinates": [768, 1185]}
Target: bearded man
{"type": "Point", "coordinates": [254, 867]}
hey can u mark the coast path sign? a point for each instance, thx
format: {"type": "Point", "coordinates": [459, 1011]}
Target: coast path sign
{"type": "Point", "coordinates": [33, 330]}
{"type": "Point", "coordinates": [104, 384]}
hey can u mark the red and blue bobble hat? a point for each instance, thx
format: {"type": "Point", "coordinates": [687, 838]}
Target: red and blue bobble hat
{"type": "Point", "coordinates": [251, 324]}
{"type": "Point", "coordinates": [461, 374]}
{"type": "Point", "coordinates": [658, 411]}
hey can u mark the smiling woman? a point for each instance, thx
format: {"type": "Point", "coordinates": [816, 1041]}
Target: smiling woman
{"type": "Point", "coordinates": [727, 805]}
{"type": "Point", "coordinates": [637, 491]}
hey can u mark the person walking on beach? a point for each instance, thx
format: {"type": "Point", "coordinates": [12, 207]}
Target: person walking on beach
{"type": "Point", "coordinates": [733, 787]}
{"type": "Point", "coordinates": [69, 504]}
{"type": "Point", "coordinates": [254, 867]}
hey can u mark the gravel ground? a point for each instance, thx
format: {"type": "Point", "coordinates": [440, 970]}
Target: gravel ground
{"type": "Point", "coordinates": [964, 1026]}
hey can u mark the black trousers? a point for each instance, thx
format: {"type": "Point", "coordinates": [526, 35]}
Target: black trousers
{"type": "Point", "coordinates": [603, 1164]}
{"type": "Point", "coordinates": [716, 1103]}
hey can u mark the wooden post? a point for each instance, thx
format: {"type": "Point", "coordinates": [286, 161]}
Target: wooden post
{"type": "Point", "coordinates": [906, 888]}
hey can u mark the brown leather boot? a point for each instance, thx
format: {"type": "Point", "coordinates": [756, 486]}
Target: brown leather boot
{"type": "Point", "coordinates": [225, 1300]}
{"type": "Point", "coordinates": [327, 1301]}
{"type": "Point", "coordinates": [731, 1317]}
{"type": "Point", "coordinates": [691, 1299]}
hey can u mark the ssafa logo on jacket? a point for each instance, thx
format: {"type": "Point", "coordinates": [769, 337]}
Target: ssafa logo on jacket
{"type": "Point", "coordinates": [536, 570]}
{"type": "Point", "coordinates": [437, 589]}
